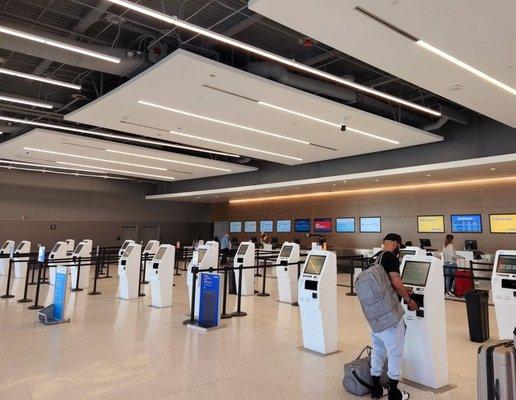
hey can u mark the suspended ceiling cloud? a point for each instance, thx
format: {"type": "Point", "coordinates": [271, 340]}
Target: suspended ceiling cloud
{"type": "Point", "coordinates": [208, 90]}
{"type": "Point", "coordinates": [54, 149]}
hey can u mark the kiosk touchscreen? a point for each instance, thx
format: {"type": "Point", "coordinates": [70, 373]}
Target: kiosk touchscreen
{"type": "Point", "coordinates": [58, 253]}
{"type": "Point", "coordinates": [503, 284]}
{"type": "Point", "coordinates": [411, 251]}
{"type": "Point", "coordinates": [148, 253]}
{"type": "Point", "coordinates": [20, 263]}
{"type": "Point", "coordinates": [129, 272]}
{"type": "Point", "coordinates": [287, 274]}
{"type": "Point", "coordinates": [245, 258]}
{"type": "Point", "coordinates": [124, 246]}
{"type": "Point", "coordinates": [206, 256]}
{"type": "Point", "coordinates": [6, 250]}
{"type": "Point", "coordinates": [83, 251]}
{"type": "Point", "coordinates": [425, 359]}
{"type": "Point", "coordinates": [162, 276]}
{"type": "Point", "coordinates": [318, 301]}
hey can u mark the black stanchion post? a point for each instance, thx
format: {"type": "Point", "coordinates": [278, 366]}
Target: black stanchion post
{"type": "Point", "coordinates": [352, 276]}
{"type": "Point", "coordinates": [36, 306]}
{"type": "Point", "coordinates": [176, 263]}
{"type": "Point", "coordinates": [296, 304]}
{"type": "Point", "coordinates": [225, 315]}
{"type": "Point", "coordinates": [263, 293]}
{"type": "Point", "coordinates": [25, 289]}
{"type": "Point", "coordinates": [141, 280]}
{"type": "Point", "coordinates": [77, 288]}
{"type": "Point", "coordinates": [145, 258]}
{"type": "Point", "coordinates": [239, 312]}
{"type": "Point", "coordinates": [94, 292]}
{"type": "Point", "coordinates": [256, 260]}
{"type": "Point", "coordinates": [108, 264]}
{"type": "Point", "coordinates": [191, 320]}
{"type": "Point", "coordinates": [7, 295]}
{"type": "Point", "coordinates": [33, 275]}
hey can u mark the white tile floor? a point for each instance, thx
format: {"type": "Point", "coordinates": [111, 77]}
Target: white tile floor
{"type": "Point", "coordinates": [114, 349]}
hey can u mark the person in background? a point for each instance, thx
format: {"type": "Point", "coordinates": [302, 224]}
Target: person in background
{"type": "Point", "coordinates": [225, 247]}
{"type": "Point", "coordinates": [264, 239]}
{"type": "Point", "coordinates": [408, 243]}
{"type": "Point", "coordinates": [449, 260]}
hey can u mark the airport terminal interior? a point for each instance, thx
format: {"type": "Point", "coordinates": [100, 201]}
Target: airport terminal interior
{"type": "Point", "coordinates": [257, 199]}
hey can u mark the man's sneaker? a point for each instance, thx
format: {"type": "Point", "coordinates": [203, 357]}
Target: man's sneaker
{"type": "Point", "coordinates": [395, 393]}
{"type": "Point", "coordinates": [377, 389]}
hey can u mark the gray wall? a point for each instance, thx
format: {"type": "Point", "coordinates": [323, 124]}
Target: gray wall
{"type": "Point", "coordinates": [90, 208]}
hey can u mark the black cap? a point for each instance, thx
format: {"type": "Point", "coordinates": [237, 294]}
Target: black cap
{"type": "Point", "coordinates": [394, 237]}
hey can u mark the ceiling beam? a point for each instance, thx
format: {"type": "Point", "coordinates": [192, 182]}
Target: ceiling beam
{"type": "Point", "coordinates": [242, 25]}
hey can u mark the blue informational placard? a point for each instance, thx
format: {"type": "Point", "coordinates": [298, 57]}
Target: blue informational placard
{"type": "Point", "coordinates": [41, 254]}
{"type": "Point", "coordinates": [209, 302]}
{"type": "Point", "coordinates": [466, 223]}
{"type": "Point", "coordinates": [60, 293]}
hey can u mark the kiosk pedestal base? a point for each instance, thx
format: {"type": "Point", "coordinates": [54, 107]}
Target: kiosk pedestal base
{"type": "Point", "coordinates": [197, 327]}
{"type": "Point", "coordinates": [301, 348]}
{"type": "Point", "coordinates": [419, 386]}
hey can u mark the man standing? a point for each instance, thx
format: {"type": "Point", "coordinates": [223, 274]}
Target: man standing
{"type": "Point", "coordinates": [225, 246]}
{"type": "Point", "coordinates": [388, 329]}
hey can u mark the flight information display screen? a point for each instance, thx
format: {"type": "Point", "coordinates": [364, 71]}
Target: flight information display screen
{"type": "Point", "coordinates": [283, 225]}
{"type": "Point", "coordinates": [370, 224]}
{"type": "Point", "coordinates": [466, 223]}
{"type": "Point", "coordinates": [78, 249]}
{"type": "Point", "coordinates": [285, 251]}
{"type": "Point", "coordinates": [161, 252]}
{"type": "Point", "coordinates": [345, 225]}
{"type": "Point", "coordinates": [502, 223]}
{"type": "Point", "coordinates": [200, 255]}
{"type": "Point", "coordinates": [314, 265]}
{"type": "Point", "coordinates": [250, 226]}
{"type": "Point", "coordinates": [506, 264]}
{"type": "Point", "coordinates": [235, 226]}
{"type": "Point", "coordinates": [266, 226]}
{"type": "Point", "coordinates": [242, 249]}
{"type": "Point", "coordinates": [302, 225]}
{"type": "Point", "coordinates": [128, 251]}
{"type": "Point", "coordinates": [415, 273]}
{"type": "Point", "coordinates": [56, 247]}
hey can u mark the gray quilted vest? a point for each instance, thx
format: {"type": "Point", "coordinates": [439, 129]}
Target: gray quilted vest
{"type": "Point", "coordinates": [378, 298]}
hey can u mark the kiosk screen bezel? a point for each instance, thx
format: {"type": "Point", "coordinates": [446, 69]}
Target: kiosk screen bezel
{"type": "Point", "coordinates": [503, 269]}
{"type": "Point", "coordinates": [406, 279]}
{"type": "Point", "coordinates": [242, 249]}
{"type": "Point", "coordinates": [404, 252]}
{"type": "Point", "coordinates": [20, 246]}
{"type": "Point", "coordinates": [160, 253]}
{"type": "Point", "coordinates": [56, 247]}
{"type": "Point", "coordinates": [148, 247]}
{"type": "Point", "coordinates": [321, 259]}
{"type": "Point", "coordinates": [286, 251]}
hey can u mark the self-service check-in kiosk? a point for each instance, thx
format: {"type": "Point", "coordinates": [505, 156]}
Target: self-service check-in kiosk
{"type": "Point", "coordinates": [7, 249]}
{"type": "Point", "coordinates": [318, 301]}
{"type": "Point", "coordinates": [20, 263]}
{"type": "Point", "coordinates": [245, 257]}
{"type": "Point", "coordinates": [411, 251]}
{"type": "Point", "coordinates": [58, 253]}
{"type": "Point", "coordinates": [206, 256]}
{"type": "Point", "coordinates": [70, 245]}
{"type": "Point", "coordinates": [129, 272]}
{"type": "Point", "coordinates": [162, 276]}
{"type": "Point", "coordinates": [83, 251]}
{"type": "Point", "coordinates": [124, 246]}
{"type": "Point", "coordinates": [287, 274]}
{"type": "Point", "coordinates": [148, 253]}
{"type": "Point", "coordinates": [425, 357]}
{"type": "Point", "coordinates": [503, 284]}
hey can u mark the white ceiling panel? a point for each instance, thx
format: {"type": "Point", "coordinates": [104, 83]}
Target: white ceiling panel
{"type": "Point", "coordinates": [56, 149]}
{"type": "Point", "coordinates": [479, 33]}
{"type": "Point", "coordinates": [197, 85]}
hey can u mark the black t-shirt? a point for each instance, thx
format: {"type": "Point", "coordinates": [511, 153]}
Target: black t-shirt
{"type": "Point", "coordinates": [389, 261]}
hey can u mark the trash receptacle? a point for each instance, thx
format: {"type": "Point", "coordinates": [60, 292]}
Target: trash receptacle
{"type": "Point", "coordinates": [477, 305]}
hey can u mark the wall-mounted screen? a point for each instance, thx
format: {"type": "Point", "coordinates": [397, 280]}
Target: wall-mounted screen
{"type": "Point", "coordinates": [266, 226]}
{"type": "Point", "coordinates": [430, 223]}
{"type": "Point", "coordinates": [322, 225]}
{"type": "Point", "coordinates": [314, 265]}
{"type": "Point", "coordinates": [415, 273]}
{"type": "Point", "coordinates": [302, 225]}
{"type": "Point", "coordinates": [502, 223]}
{"type": "Point", "coordinates": [506, 264]}
{"type": "Point", "coordinates": [345, 225]}
{"type": "Point", "coordinates": [250, 226]}
{"type": "Point", "coordinates": [283, 225]}
{"type": "Point", "coordinates": [370, 224]}
{"type": "Point", "coordinates": [235, 226]}
{"type": "Point", "coordinates": [285, 251]}
{"type": "Point", "coordinates": [466, 223]}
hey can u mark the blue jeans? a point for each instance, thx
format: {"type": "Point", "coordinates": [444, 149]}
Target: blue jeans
{"type": "Point", "coordinates": [388, 345]}
{"type": "Point", "coordinates": [449, 277]}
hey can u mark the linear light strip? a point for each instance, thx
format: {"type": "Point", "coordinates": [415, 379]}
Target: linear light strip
{"type": "Point", "coordinates": [380, 189]}
{"type": "Point", "coordinates": [218, 121]}
{"type": "Point", "coordinates": [236, 145]}
{"type": "Point", "coordinates": [11, 72]}
{"type": "Point", "coordinates": [167, 160]}
{"type": "Point", "coordinates": [26, 102]}
{"type": "Point", "coordinates": [113, 136]}
{"type": "Point", "coordinates": [61, 45]}
{"type": "Point", "coordinates": [57, 153]}
{"type": "Point", "coordinates": [322, 121]}
{"type": "Point", "coordinates": [45, 166]}
{"type": "Point", "coordinates": [46, 171]}
{"type": "Point", "coordinates": [117, 170]}
{"type": "Point", "coordinates": [465, 66]}
{"type": "Point", "coordinates": [255, 50]}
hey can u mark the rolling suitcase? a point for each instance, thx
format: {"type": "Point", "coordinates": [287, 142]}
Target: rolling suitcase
{"type": "Point", "coordinates": [463, 282]}
{"type": "Point", "coordinates": [496, 371]}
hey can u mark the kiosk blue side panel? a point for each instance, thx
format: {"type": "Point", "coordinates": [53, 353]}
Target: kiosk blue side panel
{"type": "Point", "coordinates": [209, 307]}
{"type": "Point", "coordinates": [59, 296]}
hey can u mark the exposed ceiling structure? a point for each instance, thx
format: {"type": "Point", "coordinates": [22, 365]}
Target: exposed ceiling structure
{"type": "Point", "coordinates": [79, 154]}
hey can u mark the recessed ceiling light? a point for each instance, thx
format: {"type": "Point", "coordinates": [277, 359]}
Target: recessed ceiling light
{"type": "Point", "coordinates": [47, 171]}
{"type": "Point", "coordinates": [55, 43]}
{"type": "Point", "coordinates": [428, 175]}
{"type": "Point", "coordinates": [467, 67]}
{"type": "Point", "coordinates": [47, 166]}
{"type": "Point", "coordinates": [161, 177]}
{"type": "Point", "coordinates": [492, 169]}
{"type": "Point", "coordinates": [267, 54]}
{"type": "Point", "coordinates": [344, 181]}
{"type": "Point", "coordinates": [113, 136]}
{"type": "Point", "coordinates": [57, 153]}
{"type": "Point", "coordinates": [377, 180]}
{"type": "Point", "coordinates": [11, 72]}
{"type": "Point", "coordinates": [26, 102]}
{"type": "Point", "coordinates": [235, 145]}
{"type": "Point", "coordinates": [218, 121]}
